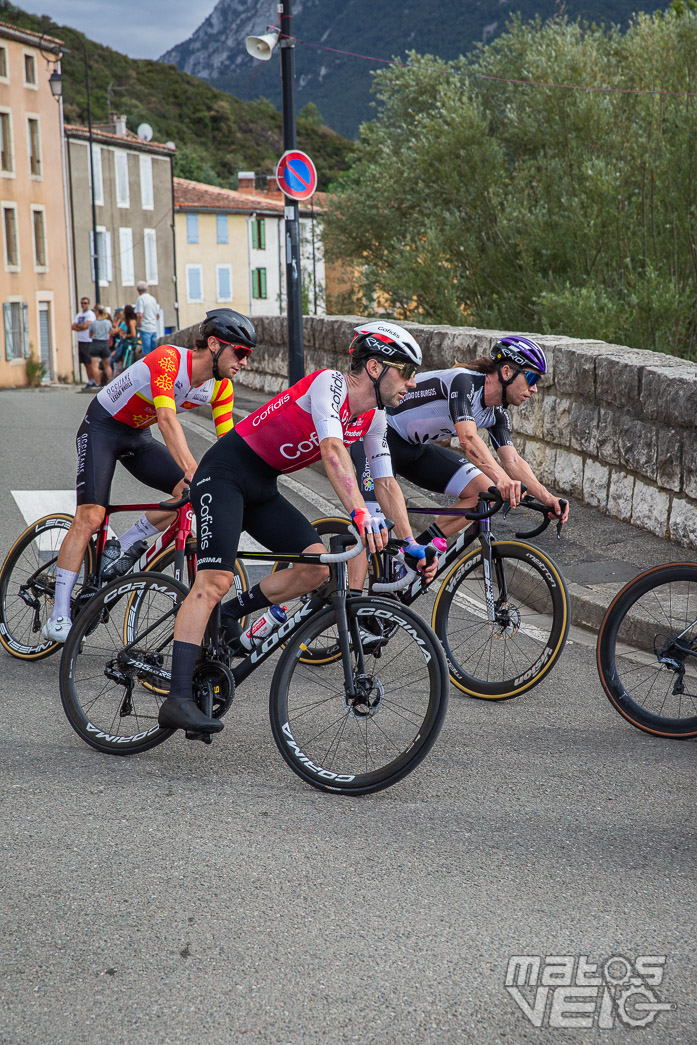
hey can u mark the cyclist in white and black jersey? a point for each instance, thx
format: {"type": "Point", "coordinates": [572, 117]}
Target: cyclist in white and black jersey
{"type": "Point", "coordinates": [457, 402]}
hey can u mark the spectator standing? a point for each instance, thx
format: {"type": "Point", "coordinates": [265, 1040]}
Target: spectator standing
{"type": "Point", "coordinates": [147, 314]}
{"type": "Point", "coordinates": [81, 324]}
{"type": "Point", "coordinates": [99, 330]}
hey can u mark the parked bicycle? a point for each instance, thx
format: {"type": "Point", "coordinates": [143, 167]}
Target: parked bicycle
{"type": "Point", "coordinates": [647, 651]}
{"type": "Point", "coordinates": [353, 724]}
{"type": "Point", "coordinates": [27, 576]}
{"type": "Point", "coordinates": [501, 609]}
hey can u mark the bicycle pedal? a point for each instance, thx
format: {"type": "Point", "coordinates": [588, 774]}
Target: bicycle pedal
{"type": "Point", "coordinates": [205, 737]}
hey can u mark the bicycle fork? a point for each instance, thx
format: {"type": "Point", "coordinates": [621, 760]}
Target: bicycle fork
{"type": "Point", "coordinates": [338, 598]}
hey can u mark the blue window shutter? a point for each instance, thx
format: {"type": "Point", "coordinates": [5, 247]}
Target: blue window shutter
{"type": "Point", "coordinates": [25, 328]}
{"type": "Point", "coordinates": [222, 228]}
{"type": "Point", "coordinates": [192, 228]}
{"type": "Point", "coordinates": [7, 321]}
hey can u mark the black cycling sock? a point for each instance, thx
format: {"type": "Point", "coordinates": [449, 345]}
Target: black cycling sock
{"type": "Point", "coordinates": [184, 657]}
{"type": "Point", "coordinates": [427, 536]}
{"type": "Point", "coordinates": [245, 602]}
{"type": "Point", "coordinates": [356, 591]}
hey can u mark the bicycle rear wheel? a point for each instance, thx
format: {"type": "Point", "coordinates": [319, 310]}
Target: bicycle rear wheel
{"type": "Point", "coordinates": [164, 563]}
{"type": "Point", "coordinates": [356, 745]}
{"type": "Point", "coordinates": [112, 690]}
{"type": "Point", "coordinates": [647, 651]}
{"type": "Point", "coordinates": [499, 659]}
{"type": "Point", "coordinates": [28, 585]}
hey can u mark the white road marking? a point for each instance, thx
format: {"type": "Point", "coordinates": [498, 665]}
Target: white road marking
{"type": "Point", "coordinates": [34, 504]}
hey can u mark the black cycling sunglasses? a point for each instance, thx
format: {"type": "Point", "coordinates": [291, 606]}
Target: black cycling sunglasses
{"type": "Point", "coordinates": [531, 376]}
{"type": "Point", "coordinates": [407, 370]}
{"type": "Point", "coordinates": [241, 351]}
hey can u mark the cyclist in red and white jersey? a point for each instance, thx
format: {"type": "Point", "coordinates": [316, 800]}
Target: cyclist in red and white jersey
{"type": "Point", "coordinates": [235, 488]}
{"type": "Point", "coordinates": [116, 428]}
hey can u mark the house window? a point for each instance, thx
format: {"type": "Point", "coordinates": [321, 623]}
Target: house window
{"type": "Point", "coordinates": [123, 196]}
{"type": "Point", "coordinates": [259, 234]}
{"type": "Point", "coordinates": [3, 63]}
{"type": "Point", "coordinates": [16, 323]}
{"type": "Point", "coordinates": [258, 283]}
{"type": "Point", "coordinates": [9, 226]}
{"type": "Point", "coordinates": [98, 180]}
{"type": "Point", "coordinates": [104, 255]}
{"type": "Point", "coordinates": [150, 243]}
{"type": "Point", "coordinates": [6, 157]}
{"type": "Point", "coordinates": [194, 283]}
{"type": "Point", "coordinates": [146, 193]}
{"type": "Point", "coordinates": [223, 274]}
{"type": "Point", "coordinates": [29, 70]}
{"type": "Point", "coordinates": [192, 228]}
{"type": "Point", "coordinates": [39, 230]}
{"type": "Point", "coordinates": [128, 275]}
{"type": "Point", "coordinates": [34, 139]}
{"type": "Point", "coordinates": [221, 223]}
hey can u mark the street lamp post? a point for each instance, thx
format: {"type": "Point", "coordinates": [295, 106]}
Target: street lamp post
{"type": "Point", "coordinates": [56, 83]}
{"type": "Point", "coordinates": [261, 47]}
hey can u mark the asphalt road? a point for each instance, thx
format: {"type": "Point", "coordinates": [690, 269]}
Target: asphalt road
{"type": "Point", "coordinates": [205, 894]}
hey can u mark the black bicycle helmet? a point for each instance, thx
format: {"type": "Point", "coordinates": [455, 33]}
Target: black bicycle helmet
{"type": "Point", "coordinates": [229, 326]}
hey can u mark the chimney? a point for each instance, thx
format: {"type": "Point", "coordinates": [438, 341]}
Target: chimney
{"type": "Point", "coordinates": [271, 187]}
{"type": "Point", "coordinates": [246, 181]}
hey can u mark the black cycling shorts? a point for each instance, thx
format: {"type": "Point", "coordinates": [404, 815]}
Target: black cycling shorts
{"type": "Point", "coordinates": [428, 465]}
{"type": "Point", "coordinates": [234, 490]}
{"type": "Point", "coordinates": [101, 442]}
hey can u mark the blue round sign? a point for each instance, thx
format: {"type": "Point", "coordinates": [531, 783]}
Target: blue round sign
{"type": "Point", "coordinates": [296, 175]}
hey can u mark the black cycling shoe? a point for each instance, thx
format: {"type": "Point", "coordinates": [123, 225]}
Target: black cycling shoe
{"type": "Point", "coordinates": [184, 713]}
{"type": "Point", "coordinates": [125, 562]}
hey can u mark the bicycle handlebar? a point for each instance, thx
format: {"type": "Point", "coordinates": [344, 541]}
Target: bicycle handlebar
{"type": "Point", "coordinates": [171, 505]}
{"type": "Point", "coordinates": [535, 506]}
{"type": "Point", "coordinates": [350, 553]}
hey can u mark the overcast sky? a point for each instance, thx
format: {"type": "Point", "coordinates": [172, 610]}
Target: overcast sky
{"type": "Point", "coordinates": [136, 28]}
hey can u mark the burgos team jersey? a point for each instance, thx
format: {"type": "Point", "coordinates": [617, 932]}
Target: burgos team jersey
{"type": "Point", "coordinates": [163, 378]}
{"type": "Point", "coordinates": [286, 431]}
{"type": "Point", "coordinates": [441, 398]}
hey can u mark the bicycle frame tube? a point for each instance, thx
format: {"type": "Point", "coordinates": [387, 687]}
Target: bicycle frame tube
{"type": "Point", "coordinates": [270, 644]}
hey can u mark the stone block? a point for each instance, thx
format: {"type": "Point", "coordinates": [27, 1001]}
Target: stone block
{"type": "Point", "coordinates": [568, 473]}
{"type": "Point", "coordinates": [541, 458]}
{"type": "Point", "coordinates": [689, 463]}
{"type": "Point", "coordinates": [669, 448]}
{"type": "Point", "coordinates": [556, 413]}
{"type": "Point", "coordinates": [595, 483]}
{"type": "Point", "coordinates": [574, 370]}
{"type": "Point", "coordinates": [607, 436]}
{"type": "Point", "coordinates": [637, 446]}
{"type": "Point", "coordinates": [683, 522]}
{"type": "Point", "coordinates": [583, 427]}
{"type": "Point", "coordinates": [669, 392]}
{"type": "Point", "coordinates": [650, 508]}
{"type": "Point", "coordinates": [528, 418]}
{"type": "Point", "coordinates": [620, 495]}
{"type": "Point", "coordinates": [617, 377]}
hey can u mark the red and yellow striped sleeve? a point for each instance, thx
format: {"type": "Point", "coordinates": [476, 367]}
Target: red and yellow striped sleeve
{"type": "Point", "coordinates": [221, 404]}
{"type": "Point", "coordinates": [163, 365]}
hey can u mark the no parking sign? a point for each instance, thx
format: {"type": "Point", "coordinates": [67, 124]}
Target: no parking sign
{"type": "Point", "coordinates": [296, 175]}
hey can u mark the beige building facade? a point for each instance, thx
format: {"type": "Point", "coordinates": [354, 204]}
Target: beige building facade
{"type": "Point", "coordinates": [35, 292]}
{"type": "Point", "coordinates": [134, 216]}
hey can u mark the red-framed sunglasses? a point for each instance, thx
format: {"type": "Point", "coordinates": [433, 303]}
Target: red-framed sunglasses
{"type": "Point", "coordinates": [241, 351]}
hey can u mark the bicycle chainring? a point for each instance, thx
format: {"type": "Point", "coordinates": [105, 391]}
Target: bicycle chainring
{"type": "Point", "coordinates": [219, 678]}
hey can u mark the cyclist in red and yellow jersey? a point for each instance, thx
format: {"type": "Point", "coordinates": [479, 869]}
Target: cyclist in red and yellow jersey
{"type": "Point", "coordinates": [115, 428]}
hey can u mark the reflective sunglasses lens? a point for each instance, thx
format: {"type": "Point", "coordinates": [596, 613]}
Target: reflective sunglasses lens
{"type": "Point", "coordinates": [241, 351]}
{"type": "Point", "coordinates": [532, 378]}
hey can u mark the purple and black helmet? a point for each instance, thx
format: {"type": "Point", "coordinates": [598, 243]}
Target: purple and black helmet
{"type": "Point", "coordinates": [520, 351]}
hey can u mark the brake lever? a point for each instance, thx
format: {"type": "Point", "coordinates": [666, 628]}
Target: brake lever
{"type": "Point", "coordinates": [563, 505]}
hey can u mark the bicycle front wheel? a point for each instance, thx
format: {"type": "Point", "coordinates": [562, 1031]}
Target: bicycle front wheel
{"type": "Point", "coordinates": [28, 586]}
{"type": "Point", "coordinates": [112, 690]}
{"type": "Point", "coordinates": [647, 651]}
{"type": "Point", "coordinates": [367, 740]}
{"type": "Point", "coordinates": [498, 653]}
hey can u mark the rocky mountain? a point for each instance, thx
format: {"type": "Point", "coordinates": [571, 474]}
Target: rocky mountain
{"type": "Point", "coordinates": [331, 36]}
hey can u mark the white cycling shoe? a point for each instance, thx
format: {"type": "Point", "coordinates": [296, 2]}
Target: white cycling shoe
{"type": "Point", "coordinates": [56, 629]}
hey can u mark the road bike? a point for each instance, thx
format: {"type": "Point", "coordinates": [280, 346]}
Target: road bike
{"type": "Point", "coordinates": [501, 609]}
{"type": "Point", "coordinates": [27, 576]}
{"type": "Point", "coordinates": [647, 651]}
{"type": "Point", "coordinates": [353, 723]}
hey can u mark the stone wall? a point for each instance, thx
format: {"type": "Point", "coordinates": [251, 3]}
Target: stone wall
{"type": "Point", "coordinates": [614, 426]}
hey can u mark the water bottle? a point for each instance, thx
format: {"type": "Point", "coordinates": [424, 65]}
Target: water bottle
{"type": "Point", "coordinates": [263, 626]}
{"type": "Point", "coordinates": [112, 552]}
